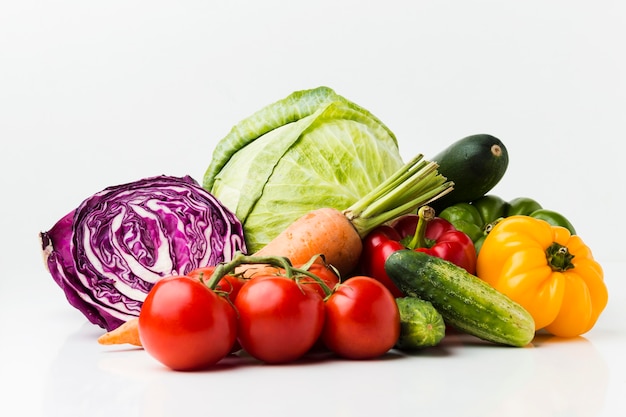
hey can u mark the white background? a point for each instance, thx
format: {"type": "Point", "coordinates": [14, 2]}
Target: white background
{"type": "Point", "coordinates": [96, 93]}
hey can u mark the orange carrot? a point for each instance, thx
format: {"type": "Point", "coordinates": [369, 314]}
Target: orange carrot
{"type": "Point", "coordinates": [127, 333]}
{"type": "Point", "coordinates": [323, 231]}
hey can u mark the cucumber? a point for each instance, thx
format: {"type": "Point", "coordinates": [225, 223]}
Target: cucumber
{"type": "Point", "coordinates": [465, 301]}
{"type": "Point", "coordinates": [421, 325]}
{"type": "Point", "coordinates": [475, 164]}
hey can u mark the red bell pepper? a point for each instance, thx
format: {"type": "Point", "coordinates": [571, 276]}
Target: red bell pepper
{"type": "Point", "coordinates": [421, 232]}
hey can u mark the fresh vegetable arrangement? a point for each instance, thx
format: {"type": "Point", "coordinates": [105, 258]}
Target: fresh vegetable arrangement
{"type": "Point", "coordinates": [310, 233]}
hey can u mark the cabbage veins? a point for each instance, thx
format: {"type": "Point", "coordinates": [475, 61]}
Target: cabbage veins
{"type": "Point", "coordinates": [309, 150]}
{"type": "Point", "coordinates": [107, 254]}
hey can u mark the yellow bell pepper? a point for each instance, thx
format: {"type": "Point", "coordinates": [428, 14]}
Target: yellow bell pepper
{"type": "Point", "coordinates": [548, 271]}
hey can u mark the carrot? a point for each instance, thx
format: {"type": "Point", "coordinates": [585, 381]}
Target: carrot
{"type": "Point", "coordinates": [127, 333]}
{"type": "Point", "coordinates": [323, 231]}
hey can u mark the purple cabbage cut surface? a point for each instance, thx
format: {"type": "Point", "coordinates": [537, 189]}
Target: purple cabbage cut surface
{"type": "Point", "coordinates": [108, 253]}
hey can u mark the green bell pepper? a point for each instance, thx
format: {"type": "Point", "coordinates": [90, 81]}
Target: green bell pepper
{"type": "Point", "coordinates": [478, 217]}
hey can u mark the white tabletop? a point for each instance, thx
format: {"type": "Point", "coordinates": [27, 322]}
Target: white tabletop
{"type": "Point", "coordinates": [53, 366]}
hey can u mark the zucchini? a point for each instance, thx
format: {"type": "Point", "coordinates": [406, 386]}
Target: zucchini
{"type": "Point", "coordinates": [475, 164]}
{"type": "Point", "coordinates": [421, 325]}
{"type": "Point", "coordinates": [465, 301]}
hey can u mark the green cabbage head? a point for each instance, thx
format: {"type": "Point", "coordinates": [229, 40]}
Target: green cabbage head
{"type": "Point", "coordinates": [310, 150]}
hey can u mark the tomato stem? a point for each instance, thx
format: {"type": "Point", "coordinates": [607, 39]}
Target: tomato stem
{"type": "Point", "coordinates": [224, 268]}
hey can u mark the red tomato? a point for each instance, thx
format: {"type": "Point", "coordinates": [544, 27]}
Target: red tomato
{"type": "Point", "coordinates": [325, 273]}
{"type": "Point", "coordinates": [202, 273]}
{"type": "Point", "coordinates": [279, 319]}
{"type": "Point", "coordinates": [185, 325]}
{"type": "Point", "coordinates": [229, 284]}
{"type": "Point", "coordinates": [362, 319]}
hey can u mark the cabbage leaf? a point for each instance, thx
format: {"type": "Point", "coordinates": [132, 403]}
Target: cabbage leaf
{"type": "Point", "coordinates": [309, 150]}
{"type": "Point", "coordinates": [109, 252]}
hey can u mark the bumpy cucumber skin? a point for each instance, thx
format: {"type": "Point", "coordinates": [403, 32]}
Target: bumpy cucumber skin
{"type": "Point", "coordinates": [464, 300]}
{"type": "Point", "coordinates": [421, 325]}
{"type": "Point", "coordinates": [473, 167]}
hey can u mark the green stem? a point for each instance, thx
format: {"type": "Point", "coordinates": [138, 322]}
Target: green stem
{"type": "Point", "coordinates": [225, 268]}
{"type": "Point", "coordinates": [425, 215]}
{"type": "Point", "coordinates": [559, 258]}
{"type": "Point", "coordinates": [415, 184]}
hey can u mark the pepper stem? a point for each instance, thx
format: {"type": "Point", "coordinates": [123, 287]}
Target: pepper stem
{"type": "Point", "coordinates": [424, 215]}
{"type": "Point", "coordinates": [559, 258]}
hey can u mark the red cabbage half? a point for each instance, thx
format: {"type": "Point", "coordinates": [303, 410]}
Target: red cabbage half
{"type": "Point", "coordinates": [108, 253]}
